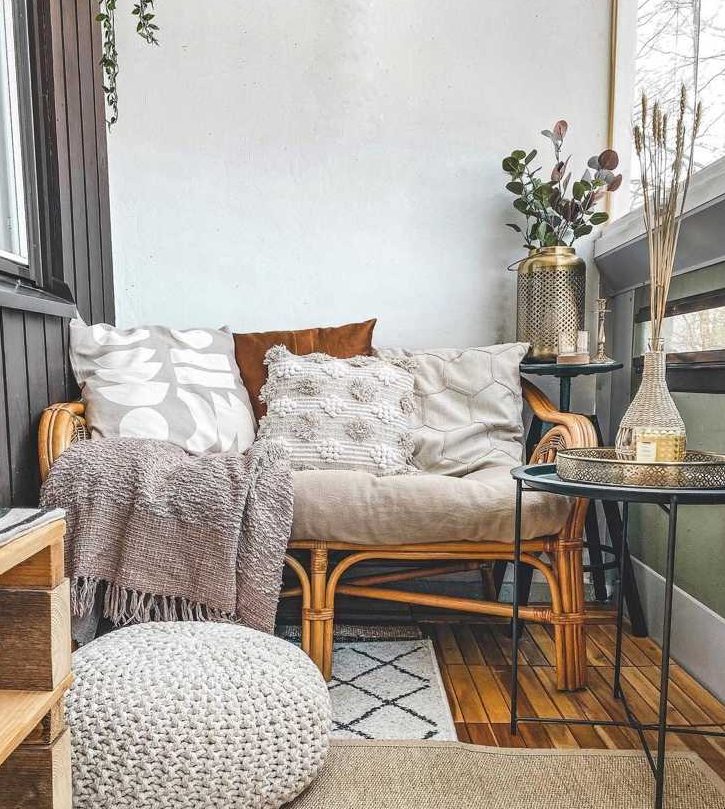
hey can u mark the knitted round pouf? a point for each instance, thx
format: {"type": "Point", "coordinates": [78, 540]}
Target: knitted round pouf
{"type": "Point", "coordinates": [194, 716]}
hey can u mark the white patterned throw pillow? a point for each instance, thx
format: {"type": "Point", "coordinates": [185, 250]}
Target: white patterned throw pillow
{"type": "Point", "coordinates": [338, 413]}
{"type": "Point", "coordinates": [468, 406]}
{"type": "Point", "coordinates": [178, 386]}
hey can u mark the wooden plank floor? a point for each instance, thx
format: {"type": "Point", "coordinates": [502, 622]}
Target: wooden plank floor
{"type": "Point", "coordinates": [475, 661]}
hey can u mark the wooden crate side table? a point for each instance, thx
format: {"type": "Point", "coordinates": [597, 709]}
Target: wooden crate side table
{"type": "Point", "coordinates": [35, 671]}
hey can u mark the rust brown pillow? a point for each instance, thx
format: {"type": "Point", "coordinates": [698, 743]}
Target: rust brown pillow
{"type": "Point", "coordinates": [351, 340]}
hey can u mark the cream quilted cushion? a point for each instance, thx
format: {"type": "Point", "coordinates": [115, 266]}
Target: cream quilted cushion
{"type": "Point", "coordinates": [468, 407]}
{"type": "Point", "coordinates": [192, 716]}
{"type": "Point", "coordinates": [362, 508]}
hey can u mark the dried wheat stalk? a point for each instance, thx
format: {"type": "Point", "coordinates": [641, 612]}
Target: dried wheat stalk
{"type": "Point", "coordinates": [665, 191]}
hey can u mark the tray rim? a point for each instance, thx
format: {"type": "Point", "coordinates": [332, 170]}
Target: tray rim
{"type": "Point", "coordinates": [580, 453]}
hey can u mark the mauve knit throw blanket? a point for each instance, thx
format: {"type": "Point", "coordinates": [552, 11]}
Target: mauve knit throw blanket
{"type": "Point", "coordinates": [173, 536]}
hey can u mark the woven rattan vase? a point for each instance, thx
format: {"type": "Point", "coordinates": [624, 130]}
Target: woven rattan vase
{"type": "Point", "coordinates": [652, 428]}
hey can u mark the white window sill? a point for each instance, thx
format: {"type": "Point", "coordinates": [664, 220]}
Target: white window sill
{"type": "Point", "coordinates": [621, 251]}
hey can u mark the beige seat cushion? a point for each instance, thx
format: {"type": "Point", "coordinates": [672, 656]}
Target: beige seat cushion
{"type": "Point", "coordinates": [357, 507]}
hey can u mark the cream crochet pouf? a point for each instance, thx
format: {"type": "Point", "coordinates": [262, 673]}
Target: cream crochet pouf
{"type": "Point", "coordinates": [194, 716]}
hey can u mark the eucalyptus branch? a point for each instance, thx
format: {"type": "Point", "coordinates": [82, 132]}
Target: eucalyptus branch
{"type": "Point", "coordinates": [552, 218]}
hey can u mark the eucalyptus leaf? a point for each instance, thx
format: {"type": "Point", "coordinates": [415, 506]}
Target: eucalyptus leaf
{"type": "Point", "coordinates": [514, 227]}
{"type": "Point", "coordinates": [515, 187]}
{"type": "Point", "coordinates": [609, 159]}
{"type": "Point", "coordinates": [518, 154]}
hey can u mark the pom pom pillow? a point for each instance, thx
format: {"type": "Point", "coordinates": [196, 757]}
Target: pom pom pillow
{"type": "Point", "coordinates": [153, 382]}
{"type": "Point", "coordinates": [338, 413]}
{"type": "Point", "coordinates": [468, 407]}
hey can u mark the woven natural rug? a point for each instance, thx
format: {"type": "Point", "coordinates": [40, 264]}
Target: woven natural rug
{"type": "Point", "coordinates": [440, 775]}
{"type": "Point", "coordinates": [389, 690]}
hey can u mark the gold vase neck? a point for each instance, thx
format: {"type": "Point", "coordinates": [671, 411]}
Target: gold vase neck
{"type": "Point", "coordinates": [557, 250]}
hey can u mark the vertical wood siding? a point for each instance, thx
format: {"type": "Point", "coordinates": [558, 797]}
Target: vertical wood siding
{"type": "Point", "coordinates": [72, 160]}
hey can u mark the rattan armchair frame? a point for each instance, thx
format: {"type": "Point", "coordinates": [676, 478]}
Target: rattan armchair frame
{"type": "Point", "coordinates": [558, 558]}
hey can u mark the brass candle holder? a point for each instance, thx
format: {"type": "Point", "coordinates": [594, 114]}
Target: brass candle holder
{"type": "Point", "coordinates": [602, 312]}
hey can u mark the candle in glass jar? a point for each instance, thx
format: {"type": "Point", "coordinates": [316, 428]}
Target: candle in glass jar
{"type": "Point", "coordinates": [582, 342]}
{"type": "Point", "coordinates": [567, 343]}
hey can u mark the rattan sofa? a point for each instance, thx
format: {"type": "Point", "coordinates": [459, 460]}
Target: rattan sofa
{"type": "Point", "coordinates": [558, 557]}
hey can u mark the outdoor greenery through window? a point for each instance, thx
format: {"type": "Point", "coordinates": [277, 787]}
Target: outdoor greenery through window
{"type": "Point", "coordinates": [683, 42]}
{"type": "Point", "coordinates": [13, 225]}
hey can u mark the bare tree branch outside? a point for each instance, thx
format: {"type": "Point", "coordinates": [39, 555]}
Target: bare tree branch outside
{"type": "Point", "coordinates": [670, 53]}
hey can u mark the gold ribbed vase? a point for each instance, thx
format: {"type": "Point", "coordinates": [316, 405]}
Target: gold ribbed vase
{"type": "Point", "coordinates": [550, 299]}
{"type": "Point", "coordinates": [652, 429]}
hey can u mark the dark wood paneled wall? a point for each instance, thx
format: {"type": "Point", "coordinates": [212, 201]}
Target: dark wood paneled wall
{"type": "Point", "coordinates": [75, 231]}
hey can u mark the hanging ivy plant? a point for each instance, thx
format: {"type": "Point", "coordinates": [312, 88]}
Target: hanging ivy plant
{"type": "Point", "coordinates": [146, 28]}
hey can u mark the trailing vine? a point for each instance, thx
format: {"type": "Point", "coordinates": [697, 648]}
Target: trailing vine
{"type": "Point", "coordinates": [146, 28]}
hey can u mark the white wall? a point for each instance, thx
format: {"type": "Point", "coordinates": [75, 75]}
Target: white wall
{"type": "Point", "coordinates": [304, 162]}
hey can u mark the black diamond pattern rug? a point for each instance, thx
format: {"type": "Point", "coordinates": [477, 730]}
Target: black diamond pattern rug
{"type": "Point", "coordinates": [389, 690]}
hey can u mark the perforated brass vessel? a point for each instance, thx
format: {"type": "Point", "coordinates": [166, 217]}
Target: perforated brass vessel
{"type": "Point", "coordinates": [551, 289]}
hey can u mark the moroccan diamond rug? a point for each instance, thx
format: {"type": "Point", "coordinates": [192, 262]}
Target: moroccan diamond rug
{"type": "Point", "coordinates": [389, 690]}
{"type": "Point", "coordinates": [434, 775]}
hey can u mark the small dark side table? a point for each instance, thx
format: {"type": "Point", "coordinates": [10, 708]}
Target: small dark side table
{"type": "Point", "coordinates": [543, 478]}
{"type": "Point", "coordinates": [597, 550]}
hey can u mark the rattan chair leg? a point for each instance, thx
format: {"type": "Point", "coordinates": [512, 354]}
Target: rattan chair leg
{"type": "Point", "coordinates": [569, 634]}
{"type": "Point", "coordinates": [305, 593]}
{"type": "Point", "coordinates": [318, 614]}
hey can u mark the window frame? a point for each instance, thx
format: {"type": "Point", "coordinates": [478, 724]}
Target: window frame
{"type": "Point", "coordinates": [690, 371]}
{"type": "Point", "coordinates": [30, 271]}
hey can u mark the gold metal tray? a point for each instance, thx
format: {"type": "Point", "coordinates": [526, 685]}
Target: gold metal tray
{"type": "Point", "coordinates": [601, 465]}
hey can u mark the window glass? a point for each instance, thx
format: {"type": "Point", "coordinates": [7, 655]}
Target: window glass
{"type": "Point", "coordinates": [674, 46]}
{"type": "Point", "coordinates": [691, 331]}
{"type": "Point", "coordinates": [13, 225]}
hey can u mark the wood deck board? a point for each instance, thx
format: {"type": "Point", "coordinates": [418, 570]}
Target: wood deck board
{"type": "Point", "coordinates": [21, 711]}
{"type": "Point", "coordinates": [475, 661]}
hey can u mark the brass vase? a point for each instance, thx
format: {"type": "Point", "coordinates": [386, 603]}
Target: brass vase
{"type": "Point", "coordinates": [550, 299]}
{"type": "Point", "coordinates": [652, 429]}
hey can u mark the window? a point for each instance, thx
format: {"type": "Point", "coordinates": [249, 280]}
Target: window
{"type": "Point", "coordinates": [683, 41]}
{"type": "Point", "coordinates": [694, 332]}
{"type": "Point", "coordinates": [18, 209]}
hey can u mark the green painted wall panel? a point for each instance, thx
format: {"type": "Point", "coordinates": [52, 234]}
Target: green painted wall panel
{"type": "Point", "coordinates": [700, 561]}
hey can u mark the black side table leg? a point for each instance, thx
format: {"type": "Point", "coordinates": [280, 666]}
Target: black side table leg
{"type": "Point", "coordinates": [617, 688]}
{"type": "Point", "coordinates": [666, 634]}
{"type": "Point", "coordinates": [631, 593]}
{"type": "Point", "coordinates": [594, 549]}
{"type": "Point", "coordinates": [515, 629]}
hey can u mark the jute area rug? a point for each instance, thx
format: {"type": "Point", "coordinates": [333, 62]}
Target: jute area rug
{"type": "Point", "coordinates": [450, 775]}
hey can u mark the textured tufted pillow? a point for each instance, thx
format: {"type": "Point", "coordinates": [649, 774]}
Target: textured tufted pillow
{"type": "Point", "coordinates": [338, 413]}
{"type": "Point", "coordinates": [468, 407]}
{"type": "Point", "coordinates": [153, 382]}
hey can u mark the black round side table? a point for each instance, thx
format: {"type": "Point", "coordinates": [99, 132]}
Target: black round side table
{"type": "Point", "coordinates": [598, 549]}
{"type": "Point", "coordinates": [543, 478]}
{"type": "Point", "coordinates": [565, 373]}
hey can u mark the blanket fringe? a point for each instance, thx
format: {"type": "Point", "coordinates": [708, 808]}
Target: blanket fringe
{"type": "Point", "coordinates": [123, 605]}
